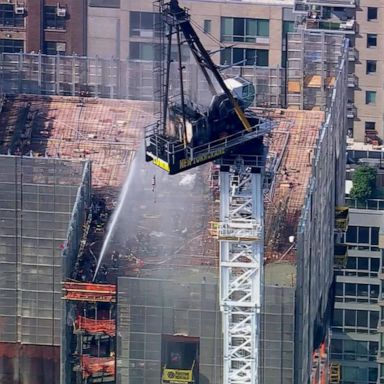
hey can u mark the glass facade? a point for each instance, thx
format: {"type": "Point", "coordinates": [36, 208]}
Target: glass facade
{"type": "Point", "coordinates": [236, 29]}
{"type": "Point", "coordinates": [355, 340]}
{"type": "Point", "coordinates": [143, 24]}
{"type": "Point", "coordinates": [245, 56]}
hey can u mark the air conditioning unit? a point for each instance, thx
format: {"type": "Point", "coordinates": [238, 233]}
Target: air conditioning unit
{"type": "Point", "coordinates": [19, 10]}
{"type": "Point", "coordinates": [61, 12]}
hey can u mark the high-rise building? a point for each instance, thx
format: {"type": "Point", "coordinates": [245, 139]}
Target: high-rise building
{"type": "Point", "coordinates": [246, 29]}
{"type": "Point", "coordinates": [357, 341]}
{"type": "Point", "coordinates": [47, 26]}
{"type": "Point", "coordinates": [360, 22]}
{"type": "Point", "coordinates": [252, 31]}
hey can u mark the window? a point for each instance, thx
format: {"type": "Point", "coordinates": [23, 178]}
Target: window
{"type": "Point", "coordinates": [54, 48]}
{"type": "Point", "coordinates": [371, 40]}
{"type": "Point", "coordinates": [51, 20]}
{"type": "Point", "coordinates": [363, 235]}
{"type": "Point", "coordinates": [11, 46]}
{"type": "Point", "coordinates": [370, 126]}
{"type": "Point", "coordinates": [362, 263]}
{"type": "Point", "coordinates": [339, 289]}
{"type": "Point", "coordinates": [141, 51]}
{"type": "Point", "coordinates": [288, 26]}
{"type": "Point", "coordinates": [351, 236]}
{"type": "Point", "coordinates": [337, 317]}
{"type": "Point", "coordinates": [245, 56]}
{"type": "Point", "coordinates": [350, 317]}
{"type": "Point", "coordinates": [362, 319]}
{"type": "Point", "coordinates": [372, 13]}
{"type": "Point", "coordinates": [375, 230]}
{"type": "Point", "coordinates": [375, 264]}
{"type": "Point", "coordinates": [373, 319]}
{"type": "Point", "coordinates": [371, 66]}
{"type": "Point", "coordinates": [243, 30]}
{"type": "Point", "coordinates": [9, 18]}
{"type": "Point", "coordinates": [336, 348]}
{"type": "Point", "coordinates": [146, 52]}
{"type": "Point", "coordinates": [350, 289]}
{"type": "Point", "coordinates": [105, 3]}
{"type": "Point", "coordinates": [143, 24]}
{"type": "Point", "coordinates": [370, 97]}
{"type": "Point", "coordinates": [351, 262]}
{"type": "Point", "coordinates": [207, 26]}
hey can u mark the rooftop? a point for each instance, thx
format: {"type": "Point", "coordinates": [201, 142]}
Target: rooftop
{"type": "Point", "coordinates": [108, 132]}
{"type": "Point", "coordinates": [291, 147]}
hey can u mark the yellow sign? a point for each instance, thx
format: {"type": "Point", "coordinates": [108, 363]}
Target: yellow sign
{"type": "Point", "coordinates": [177, 376]}
{"type": "Point", "coordinates": [160, 163]}
{"type": "Point", "coordinates": [184, 163]}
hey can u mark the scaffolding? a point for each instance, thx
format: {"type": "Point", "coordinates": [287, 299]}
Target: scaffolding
{"type": "Point", "coordinates": [91, 308]}
{"type": "Point", "coordinates": [313, 61]}
{"type": "Point", "coordinates": [42, 203]}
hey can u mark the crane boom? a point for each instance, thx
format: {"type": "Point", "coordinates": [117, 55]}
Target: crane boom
{"type": "Point", "coordinates": [203, 58]}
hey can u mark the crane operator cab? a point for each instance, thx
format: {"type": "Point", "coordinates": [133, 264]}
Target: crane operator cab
{"type": "Point", "coordinates": [189, 134]}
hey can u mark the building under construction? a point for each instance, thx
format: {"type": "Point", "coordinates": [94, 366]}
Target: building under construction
{"type": "Point", "coordinates": [152, 315]}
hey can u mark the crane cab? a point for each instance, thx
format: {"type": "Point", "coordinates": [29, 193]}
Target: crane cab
{"type": "Point", "coordinates": [242, 89]}
{"type": "Point", "coordinates": [200, 138]}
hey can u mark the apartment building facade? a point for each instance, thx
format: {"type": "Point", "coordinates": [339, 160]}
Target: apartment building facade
{"type": "Point", "coordinates": [252, 31]}
{"type": "Point", "coordinates": [360, 22]}
{"type": "Point", "coordinates": [355, 337]}
{"type": "Point", "coordinates": [48, 26]}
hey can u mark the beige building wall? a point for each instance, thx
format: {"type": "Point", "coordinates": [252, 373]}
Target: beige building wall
{"type": "Point", "coordinates": [109, 32]}
{"type": "Point", "coordinates": [369, 82]}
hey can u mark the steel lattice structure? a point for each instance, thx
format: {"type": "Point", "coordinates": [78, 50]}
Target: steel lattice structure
{"type": "Point", "coordinates": [241, 269]}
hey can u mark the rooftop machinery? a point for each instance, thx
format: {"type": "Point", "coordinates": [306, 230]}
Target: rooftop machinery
{"type": "Point", "coordinates": [189, 134]}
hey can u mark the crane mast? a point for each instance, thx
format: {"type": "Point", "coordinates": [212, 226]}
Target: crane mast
{"type": "Point", "coordinates": [240, 234]}
{"type": "Point", "coordinates": [232, 135]}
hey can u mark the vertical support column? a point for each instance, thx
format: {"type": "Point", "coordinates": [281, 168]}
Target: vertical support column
{"type": "Point", "coordinates": [39, 73]}
{"type": "Point", "coordinates": [241, 265]}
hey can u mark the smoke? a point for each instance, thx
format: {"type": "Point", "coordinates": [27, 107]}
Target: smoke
{"type": "Point", "coordinates": [158, 215]}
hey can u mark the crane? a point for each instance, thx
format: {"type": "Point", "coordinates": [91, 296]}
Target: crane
{"type": "Point", "coordinates": [227, 131]}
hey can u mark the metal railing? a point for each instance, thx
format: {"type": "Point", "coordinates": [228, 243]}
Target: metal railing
{"type": "Point", "coordinates": [371, 204]}
{"type": "Point", "coordinates": [172, 148]}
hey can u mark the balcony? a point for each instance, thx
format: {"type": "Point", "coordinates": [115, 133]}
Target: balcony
{"type": "Point", "coordinates": [333, 3]}
{"type": "Point", "coordinates": [351, 111]}
{"type": "Point", "coordinates": [352, 80]}
{"type": "Point", "coordinates": [352, 54]}
{"type": "Point", "coordinates": [300, 6]}
{"type": "Point", "coordinates": [336, 26]}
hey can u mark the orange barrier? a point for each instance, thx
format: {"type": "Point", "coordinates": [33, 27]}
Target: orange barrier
{"type": "Point", "coordinates": [91, 365]}
{"type": "Point", "coordinates": [95, 326]}
{"type": "Point", "coordinates": [89, 292]}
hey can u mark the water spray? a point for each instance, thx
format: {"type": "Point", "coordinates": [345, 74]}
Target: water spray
{"type": "Point", "coordinates": [115, 215]}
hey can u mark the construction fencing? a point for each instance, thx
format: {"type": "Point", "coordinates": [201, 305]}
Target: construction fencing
{"type": "Point", "coordinates": [312, 61]}
{"type": "Point", "coordinates": [117, 79]}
